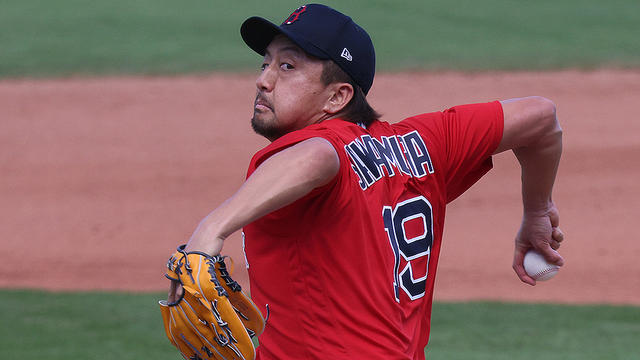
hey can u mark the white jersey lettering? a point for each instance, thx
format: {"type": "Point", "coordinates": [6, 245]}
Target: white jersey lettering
{"type": "Point", "coordinates": [371, 159]}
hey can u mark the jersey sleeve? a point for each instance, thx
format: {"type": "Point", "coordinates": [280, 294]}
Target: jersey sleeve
{"type": "Point", "coordinates": [293, 138]}
{"type": "Point", "coordinates": [464, 138]}
{"type": "Point", "coordinates": [280, 144]}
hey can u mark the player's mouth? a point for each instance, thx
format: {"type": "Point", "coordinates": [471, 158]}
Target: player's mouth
{"type": "Point", "coordinates": [261, 104]}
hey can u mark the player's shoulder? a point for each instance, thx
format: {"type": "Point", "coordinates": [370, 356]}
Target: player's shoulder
{"type": "Point", "coordinates": [420, 122]}
{"type": "Point", "coordinates": [437, 121]}
{"type": "Point", "coordinates": [331, 130]}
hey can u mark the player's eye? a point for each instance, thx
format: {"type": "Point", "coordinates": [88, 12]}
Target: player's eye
{"type": "Point", "coordinates": [263, 66]}
{"type": "Point", "coordinates": [286, 66]}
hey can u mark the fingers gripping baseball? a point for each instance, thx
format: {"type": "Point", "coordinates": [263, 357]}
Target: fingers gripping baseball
{"type": "Point", "coordinates": [557, 236]}
{"type": "Point", "coordinates": [542, 233]}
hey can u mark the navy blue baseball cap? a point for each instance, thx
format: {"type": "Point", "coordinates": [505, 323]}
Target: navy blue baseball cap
{"type": "Point", "coordinates": [323, 33]}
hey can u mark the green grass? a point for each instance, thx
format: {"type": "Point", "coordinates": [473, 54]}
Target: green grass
{"type": "Point", "coordinates": [96, 325]}
{"type": "Point", "coordinates": [499, 331]}
{"type": "Point", "coordinates": [56, 38]}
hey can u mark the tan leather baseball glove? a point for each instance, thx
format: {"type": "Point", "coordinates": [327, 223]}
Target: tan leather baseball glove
{"type": "Point", "coordinates": [212, 318]}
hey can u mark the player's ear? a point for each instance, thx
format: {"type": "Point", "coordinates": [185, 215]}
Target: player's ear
{"type": "Point", "coordinates": [339, 96]}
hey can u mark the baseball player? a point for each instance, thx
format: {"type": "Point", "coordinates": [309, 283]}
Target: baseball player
{"type": "Point", "coordinates": [343, 214]}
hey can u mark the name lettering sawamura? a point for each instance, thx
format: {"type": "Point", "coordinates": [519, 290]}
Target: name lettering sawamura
{"type": "Point", "coordinates": [371, 159]}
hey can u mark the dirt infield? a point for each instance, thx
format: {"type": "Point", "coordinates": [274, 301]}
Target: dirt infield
{"type": "Point", "coordinates": [102, 178]}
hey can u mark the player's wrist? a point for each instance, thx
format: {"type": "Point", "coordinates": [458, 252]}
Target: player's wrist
{"type": "Point", "coordinates": [537, 206]}
{"type": "Point", "coordinates": [211, 246]}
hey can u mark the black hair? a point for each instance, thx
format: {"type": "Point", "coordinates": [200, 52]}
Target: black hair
{"type": "Point", "coordinates": [358, 110]}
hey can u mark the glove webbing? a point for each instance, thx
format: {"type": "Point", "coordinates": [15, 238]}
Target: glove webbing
{"type": "Point", "coordinates": [224, 273]}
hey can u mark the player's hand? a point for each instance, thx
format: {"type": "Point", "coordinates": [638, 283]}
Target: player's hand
{"type": "Point", "coordinates": [539, 231]}
{"type": "Point", "coordinates": [198, 242]}
{"type": "Point", "coordinates": [205, 242]}
{"type": "Point", "coordinates": [175, 292]}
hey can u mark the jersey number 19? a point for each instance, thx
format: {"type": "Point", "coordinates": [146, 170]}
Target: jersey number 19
{"type": "Point", "coordinates": [419, 245]}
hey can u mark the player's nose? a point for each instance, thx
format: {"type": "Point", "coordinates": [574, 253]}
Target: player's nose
{"type": "Point", "coordinates": [267, 79]}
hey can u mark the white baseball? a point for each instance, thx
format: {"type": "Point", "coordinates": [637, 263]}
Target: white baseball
{"type": "Point", "coordinates": [537, 267]}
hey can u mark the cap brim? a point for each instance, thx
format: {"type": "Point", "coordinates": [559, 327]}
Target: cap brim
{"type": "Point", "coordinates": [258, 33]}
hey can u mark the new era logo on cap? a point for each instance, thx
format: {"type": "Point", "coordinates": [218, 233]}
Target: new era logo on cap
{"type": "Point", "coordinates": [346, 54]}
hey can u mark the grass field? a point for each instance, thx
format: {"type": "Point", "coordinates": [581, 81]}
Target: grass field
{"type": "Point", "coordinates": [54, 38]}
{"type": "Point", "coordinates": [94, 325]}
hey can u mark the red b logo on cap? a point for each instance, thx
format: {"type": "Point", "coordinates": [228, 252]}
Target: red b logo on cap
{"type": "Point", "coordinates": [295, 15]}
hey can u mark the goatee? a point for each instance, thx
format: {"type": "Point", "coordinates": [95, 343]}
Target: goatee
{"type": "Point", "coordinates": [263, 129]}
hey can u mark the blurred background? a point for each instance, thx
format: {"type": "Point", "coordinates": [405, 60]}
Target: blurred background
{"type": "Point", "coordinates": [123, 123]}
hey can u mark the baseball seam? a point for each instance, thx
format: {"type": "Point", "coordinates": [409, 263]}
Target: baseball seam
{"type": "Point", "coordinates": [544, 272]}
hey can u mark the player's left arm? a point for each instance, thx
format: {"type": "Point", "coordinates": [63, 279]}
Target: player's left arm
{"type": "Point", "coordinates": [280, 180]}
{"type": "Point", "coordinates": [533, 133]}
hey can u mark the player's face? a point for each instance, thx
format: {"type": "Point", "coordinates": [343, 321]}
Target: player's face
{"type": "Point", "coordinates": [290, 94]}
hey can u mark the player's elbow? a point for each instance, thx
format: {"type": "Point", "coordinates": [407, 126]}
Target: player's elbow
{"type": "Point", "coordinates": [320, 162]}
{"type": "Point", "coordinates": [548, 126]}
{"type": "Point", "coordinates": [528, 121]}
{"type": "Point", "coordinates": [328, 165]}
{"type": "Point", "coordinates": [548, 116]}
{"type": "Point", "coordinates": [544, 131]}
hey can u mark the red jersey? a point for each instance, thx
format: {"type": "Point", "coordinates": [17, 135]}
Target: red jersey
{"type": "Point", "coordinates": [348, 270]}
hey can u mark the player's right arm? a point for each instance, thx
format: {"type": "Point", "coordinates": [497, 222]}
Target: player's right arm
{"type": "Point", "coordinates": [280, 180]}
{"type": "Point", "coordinates": [532, 132]}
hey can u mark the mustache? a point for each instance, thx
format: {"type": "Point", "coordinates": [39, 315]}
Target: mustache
{"type": "Point", "coordinates": [262, 100]}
